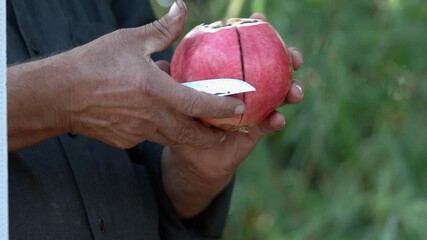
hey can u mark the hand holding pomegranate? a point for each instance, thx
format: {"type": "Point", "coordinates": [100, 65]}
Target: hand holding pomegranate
{"type": "Point", "coordinates": [193, 177]}
{"type": "Point", "coordinates": [112, 91]}
{"type": "Point", "coordinates": [133, 100]}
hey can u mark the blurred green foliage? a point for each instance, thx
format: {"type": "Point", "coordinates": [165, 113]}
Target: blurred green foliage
{"type": "Point", "coordinates": [352, 161]}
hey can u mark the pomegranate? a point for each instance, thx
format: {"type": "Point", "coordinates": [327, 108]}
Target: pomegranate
{"type": "Point", "coordinates": [245, 49]}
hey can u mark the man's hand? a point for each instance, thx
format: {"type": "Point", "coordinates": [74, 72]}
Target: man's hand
{"type": "Point", "coordinates": [193, 177]}
{"type": "Point", "coordinates": [129, 99]}
{"type": "Point", "coordinates": [112, 91]}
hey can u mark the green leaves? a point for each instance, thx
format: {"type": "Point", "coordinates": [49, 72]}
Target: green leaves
{"type": "Point", "coordinates": [258, 5]}
{"type": "Point", "coordinates": [352, 161]}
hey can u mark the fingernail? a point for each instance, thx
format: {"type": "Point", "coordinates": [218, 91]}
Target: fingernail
{"type": "Point", "coordinates": [298, 52]}
{"type": "Point", "coordinates": [294, 49]}
{"type": "Point", "coordinates": [176, 8]}
{"type": "Point", "coordinates": [299, 89]}
{"type": "Point", "coordinates": [300, 57]}
{"type": "Point", "coordinates": [223, 139]}
{"type": "Point", "coordinates": [239, 109]}
{"type": "Point", "coordinates": [183, 4]}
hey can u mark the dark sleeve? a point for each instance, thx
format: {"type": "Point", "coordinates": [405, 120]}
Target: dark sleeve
{"type": "Point", "coordinates": [207, 225]}
{"type": "Point", "coordinates": [132, 13]}
{"type": "Point", "coordinates": [136, 13]}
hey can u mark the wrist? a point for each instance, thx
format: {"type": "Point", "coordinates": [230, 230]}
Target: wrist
{"type": "Point", "coordinates": [59, 93]}
{"type": "Point", "coordinates": [38, 100]}
{"type": "Point", "coordinates": [189, 192]}
{"type": "Point", "coordinates": [69, 100]}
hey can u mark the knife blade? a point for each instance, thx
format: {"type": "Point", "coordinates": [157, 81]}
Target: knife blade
{"type": "Point", "coordinates": [221, 86]}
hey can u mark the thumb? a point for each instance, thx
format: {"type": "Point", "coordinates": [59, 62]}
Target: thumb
{"type": "Point", "coordinates": [163, 65]}
{"type": "Point", "coordinates": [161, 33]}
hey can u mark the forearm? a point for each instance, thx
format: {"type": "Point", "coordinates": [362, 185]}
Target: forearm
{"type": "Point", "coordinates": [38, 96]}
{"type": "Point", "coordinates": [189, 193]}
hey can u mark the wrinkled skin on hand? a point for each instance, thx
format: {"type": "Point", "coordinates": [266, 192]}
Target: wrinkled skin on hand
{"type": "Point", "coordinates": [122, 98]}
{"type": "Point", "coordinates": [190, 172]}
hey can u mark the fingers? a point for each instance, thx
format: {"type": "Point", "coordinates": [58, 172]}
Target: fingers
{"type": "Point", "coordinates": [198, 104]}
{"type": "Point", "coordinates": [296, 93]}
{"type": "Point", "coordinates": [199, 136]}
{"type": "Point", "coordinates": [182, 130]}
{"type": "Point", "coordinates": [273, 123]}
{"type": "Point", "coordinates": [160, 34]}
{"type": "Point", "coordinates": [190, 102]}
{"type": "Point", "coordinates": [163, 65]}
{"type": "Point", "coordinates": [259, 16]}
{"type": "Point", "coordinates": [296, 57]}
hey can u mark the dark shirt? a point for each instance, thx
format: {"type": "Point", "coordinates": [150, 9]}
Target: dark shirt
{"type": "Point", "coordinates": [72, 187]}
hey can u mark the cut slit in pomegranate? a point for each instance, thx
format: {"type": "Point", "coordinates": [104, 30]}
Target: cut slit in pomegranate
{"type": "Point", "coordinates": [247, 49]}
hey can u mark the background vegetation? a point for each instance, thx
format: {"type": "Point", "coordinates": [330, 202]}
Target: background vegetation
{"type": "Point", "coordinates": [352, 161]}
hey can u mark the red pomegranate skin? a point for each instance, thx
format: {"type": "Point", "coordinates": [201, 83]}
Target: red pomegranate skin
{"type": "Point", "coordinates": [245, 49]}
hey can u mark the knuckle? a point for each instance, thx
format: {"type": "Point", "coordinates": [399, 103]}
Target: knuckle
{"type": "Point", "coordinates": [160, 26]}
{"type": "Point", "coordinates": [186, 135]}
{"type": "Point", "coordinates": [195, 105]}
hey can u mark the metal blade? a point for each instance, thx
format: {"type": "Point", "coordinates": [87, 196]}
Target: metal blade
{"type": "Point", "coordinates": [221, 86]}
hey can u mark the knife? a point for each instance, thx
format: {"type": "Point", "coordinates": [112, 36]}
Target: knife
{"type": "Point", "coordinates": [221, 86]}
